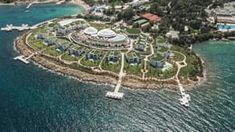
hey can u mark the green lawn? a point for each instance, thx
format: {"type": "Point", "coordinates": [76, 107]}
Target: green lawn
{"type": "Point", "coordinates": [157, 57]}
{"type": "Point", "coordinates": [89, 63]}
{"type": "Point", "coordinates": [133, 30]}
{"type": "Point", "coordinates": [68, 57]}
{"type": "Point", "coordinates": [133, 69]}
{"type": "Point", "coordinates": [35, 43]}
{"type": "Point", "coordinates": [192, 69]}
{"type": "Point", "coordinates": [100, 26]}
{"type": "Point", "coordinates": [52, 51]}
{"type": "Point", "coordinates": [111, 67]}
{"type": "Point", "coordinates": [178, 57]}
{"type": "Point", "coordinates": [160, 39]}
{"type": "Point", "coordinates": [155, 72]}
{"type": "Point", "coordinates": [163, 49]}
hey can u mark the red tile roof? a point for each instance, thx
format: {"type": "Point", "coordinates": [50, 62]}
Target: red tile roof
{"type": "Point", "coordinates": [151, 17]}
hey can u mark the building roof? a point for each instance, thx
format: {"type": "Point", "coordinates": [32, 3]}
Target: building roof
{"type": "Point", "coordinates": [141, 21]}
{"type": "Point", "coordinates": [118, 38]}
{"type": "Point", "coordinates": [90, 31]}
{"type": "Point", "coordinates": [107, 33]}
{"type": "Point", "coordinates": [151, 17]}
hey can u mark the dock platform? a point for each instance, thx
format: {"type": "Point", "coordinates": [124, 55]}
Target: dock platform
{"type": "Point", "coordinates": [10, 27]}
{"type": "Point", "coordinates": [185, 98]}
{"type": "Point", "coordinates": [24, 58]}
{"type": "Point", "coordinates": [114, 95]}
{"type": "Point", "coordinates": [21, 58]}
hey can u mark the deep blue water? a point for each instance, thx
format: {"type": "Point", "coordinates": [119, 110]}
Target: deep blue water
{"type": "Point", "coordinates": [33, 99]}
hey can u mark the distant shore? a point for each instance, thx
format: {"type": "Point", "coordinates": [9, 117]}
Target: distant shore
{"type": "Point", "coordinates": [76, 2]}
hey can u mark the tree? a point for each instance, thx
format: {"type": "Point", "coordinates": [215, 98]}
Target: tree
{"type": "Point", "coordinates": [128, 13]}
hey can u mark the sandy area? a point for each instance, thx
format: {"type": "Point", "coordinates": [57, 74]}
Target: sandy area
{"type": "Point", "coordinates": [81, 3]}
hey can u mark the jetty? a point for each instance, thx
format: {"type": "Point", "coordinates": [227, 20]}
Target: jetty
{"type": "Point", "coordinates": [25, 59]}
{"type": "Point", "coordinates": [60, 2]}
{"type": "Point", "coordinates": [116, 94]}
{"type": "Point", "coordinates": [29, 5]}
{"type": "Point", "coordinates": [185, 98]}
{"type": "Point", "coordinates": [10, 27]}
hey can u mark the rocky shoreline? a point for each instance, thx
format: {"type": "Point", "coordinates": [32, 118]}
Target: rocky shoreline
{"type": "Point", "coordinates": [76, 72]}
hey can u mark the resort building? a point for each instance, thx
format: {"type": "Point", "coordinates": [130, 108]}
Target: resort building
{"type": "Point", "coordinates": [167, 55]}
{"type": "Point", "coordinates": [46, 41]}
{"type": "Point", "coordinates": [40, 37]}
{"type": "Point", "coordinates": [99, 10]}
{"type": "Point", "coordinates": [157, 64]}
{"type": "Point", "coordinates": [61, 47]}
{"type": "Point", "coordinates": [105, 38]}
{"type": "Point", "coordinates": [63, 32]}
{"type": "Point", "coordinates": [76, 52]}
{"type": "Point", "coordinates": [225, 14]}
{"type": "Point", "coordinates": [135, 3]}
{"type": "Point", "coordinates": [141, 45]}
{"type": "Point", "coordinates": [132, 58]}
{"type": "Point", "coordinates": [93, 56]}
{"type": "Point", "coordinates": [173, 34]}
{"type": "Point", "coordinates": [146, 20]}
{"type": "Point", "coordinates": [113, 58]}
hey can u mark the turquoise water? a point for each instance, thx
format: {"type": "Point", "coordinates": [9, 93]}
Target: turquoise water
{"type": "Point", "coordinates": [33, 99]}
{"type": "Point", "coordinates": [223, 26]}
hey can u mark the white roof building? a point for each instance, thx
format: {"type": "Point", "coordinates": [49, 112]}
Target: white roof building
{"type": "Point", "coordinates": [173, 34]}
{"type": "Point", "coordinates": [90, 31]}
{"type": "Point", "coordinates": [106, 33]}
{"type": "Point", "coordinates": [118, 38]}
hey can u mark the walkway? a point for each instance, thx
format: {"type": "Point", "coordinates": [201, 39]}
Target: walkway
{"type": "Point", "coordinates": [144, 71]}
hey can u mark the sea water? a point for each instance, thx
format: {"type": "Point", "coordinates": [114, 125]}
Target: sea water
{"type": "Point", "coordinates": [34, 99]}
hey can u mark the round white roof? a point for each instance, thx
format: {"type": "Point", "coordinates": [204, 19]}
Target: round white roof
{"type": "Point", "coordinates": [107, 33]}
{"type": "Point", "coordinates": [90, 31]}
{"type": "Point", "coordinates": [118, 38]}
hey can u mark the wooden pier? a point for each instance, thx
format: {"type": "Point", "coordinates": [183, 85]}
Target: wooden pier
{"type": "Point", "coordinates": [116, 94]}
{"type": "Point", "coordinates": [185, 98]}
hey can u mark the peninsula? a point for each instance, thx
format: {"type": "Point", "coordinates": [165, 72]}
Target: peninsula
{"type": "Point", "coordinates": [105, 52]}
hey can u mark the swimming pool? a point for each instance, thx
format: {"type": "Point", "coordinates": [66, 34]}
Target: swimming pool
{"type": "Point", "coordinates": [226, 26]}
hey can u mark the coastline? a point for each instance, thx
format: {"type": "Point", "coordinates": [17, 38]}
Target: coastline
{"type": "Point", "coordinates": [85, 6]}
{"type": "Point", "coordinates": [129, 82]}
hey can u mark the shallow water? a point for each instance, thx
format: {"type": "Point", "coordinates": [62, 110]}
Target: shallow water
{"type": "Point", "coordinates": [33, 99]}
